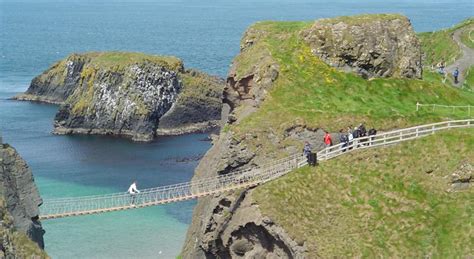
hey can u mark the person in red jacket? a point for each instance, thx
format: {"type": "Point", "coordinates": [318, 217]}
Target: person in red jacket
{"type": "Point", "coordinates": [327, 139]}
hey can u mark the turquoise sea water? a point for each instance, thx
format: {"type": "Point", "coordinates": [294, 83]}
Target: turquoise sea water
{"type": "Point", "coordinates": [205, 34]}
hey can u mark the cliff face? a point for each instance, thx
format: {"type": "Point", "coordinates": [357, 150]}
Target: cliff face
{"type": "Point", "coordinates": [127, 94]}
{"type": "Point", "coordinates": [19, 211]}
{"type": "Point", "coordinates": [231, 225]}
{"type": "Point", "coordinates": [197, 107]}
{"type": "Point", "coordinates": [370, 45]}
{"type": "Point", "coordinates": [279, 95]}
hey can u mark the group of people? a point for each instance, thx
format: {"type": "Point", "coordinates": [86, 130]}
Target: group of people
{"type": "Point", "coordinates": [441, 66]}
{"type": "Point", "coordinates": [349, 139]}
{"type": "Point", "coordinates": [351, 136]}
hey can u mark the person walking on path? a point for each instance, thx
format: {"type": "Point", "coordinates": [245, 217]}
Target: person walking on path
{"type": "Point", "coordinates": [307, 150]}
{"type": "Point", "coordinates": [350, 137]}
{"type": "Point", "coordinates": [343, 139]}
{"type": "Point", "coordinates": [327, 139]}
{"type": "Point", "coordinates": [133, 191]}
{"type": "Point", "coordinates": [456, 75]}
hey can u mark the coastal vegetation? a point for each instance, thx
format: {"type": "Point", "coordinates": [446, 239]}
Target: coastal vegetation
{"type": "Point", "coordinates": [391, 202]}
{"type": "Point", "coordinates": [439, 45]}
{"type": "Point", "coordinates": [398, 201]}
{"type": "Point", "coordinates": [311, 93]}
{"type": "Point", "coordinates": [129, 94]}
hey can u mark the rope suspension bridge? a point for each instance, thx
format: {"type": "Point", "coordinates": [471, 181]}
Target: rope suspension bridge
{"type": "Point", "coordinates": [68, 207]}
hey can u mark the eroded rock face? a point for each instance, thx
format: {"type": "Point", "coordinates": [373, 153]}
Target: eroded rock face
{"type": "Point", "coordinates": [231, 225]}
{"type": "Point", "coordinates": [248, 84]}
{"type": "Point", "coordinates": [370, 45]}
{"type": "Point", "coordinates": [127, 103]}
{"type": "Point", "coordinates": [198, 106]}
{"type": "Point", "coordinates": [19, 197]}
{"type": "Point", "coordinates": [128, 94]}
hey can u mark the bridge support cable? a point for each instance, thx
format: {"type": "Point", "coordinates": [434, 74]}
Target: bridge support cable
{"type": "Point", "coordinates": [75, 206]}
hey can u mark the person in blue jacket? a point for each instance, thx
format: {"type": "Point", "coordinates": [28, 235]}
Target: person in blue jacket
{"type": "Point", "coordinates": [456, 75]}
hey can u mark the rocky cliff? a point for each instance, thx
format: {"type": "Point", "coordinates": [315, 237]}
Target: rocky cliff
{"type": "Point", "coordinates": [279, 94]}
{"type": "Point", "coordinates": [129, 94]}
{"type": "Point", "coordinates": [370, 45]}
{"type": "Point", "coordinates": [21, 232]}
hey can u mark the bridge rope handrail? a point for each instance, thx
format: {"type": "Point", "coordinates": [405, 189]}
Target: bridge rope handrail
{"type": "Point", "coordinates": [71, 206]}
{"type": "Point", "coordinates": [173, 186]}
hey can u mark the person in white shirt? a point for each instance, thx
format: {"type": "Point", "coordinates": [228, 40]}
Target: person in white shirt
{"type": "Point", "coordinates": [133, 191]}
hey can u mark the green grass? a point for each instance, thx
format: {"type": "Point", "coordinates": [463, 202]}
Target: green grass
{"type": "Point", "coordinates": [438, 46]}
{"type": "Point", "coordinates": [309, 92]}
{"type": "Point", "coordinates": [467, 36]}
{"type": "Point", "coordinates": [376, 203]}
{"type": "Point", "coordinates": [123, 59]}
{"type": "Point", "coordinates": [469, 79]}
{"type": "Point", "coordinates": [200, 86]}
{"type": "Point", "coordinates": [379, 203]}
{"type": "Point", "coordinates": [361, 19]}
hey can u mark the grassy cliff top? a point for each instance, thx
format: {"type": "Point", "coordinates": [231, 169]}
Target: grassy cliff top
{"type": "Point", "coordinates": [361, 19]}
{"type": "Point", "coordinates": [388, 202]}
{"type": "Point", "coordinates": [309, 92]}
{"type": "Point", "coordinates": [380, 202]}
{"type": "Point", "coordinates": [439, 45]}
{"type": "Point", "coordinates": [114, 58]}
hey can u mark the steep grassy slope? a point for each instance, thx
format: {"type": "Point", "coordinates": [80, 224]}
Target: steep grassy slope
{"type": "Point", "coordinates": [467, 36]}
{"type": "Point", "coordinates": [469, 79]}
{"type": "Point", "coordinates": [389, 202]}
{"type": "Point", "coordinates": [378, 202]}
{"type": "Point", "coordinates": [375, 203]}
{"type": "Point", "coordinates": [311, 93]}
{"type": "Point", "coordinates": [439, 45]}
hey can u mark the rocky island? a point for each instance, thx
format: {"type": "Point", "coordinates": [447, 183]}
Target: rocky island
{"type": "Point", "coordinates": [291, 81]}
{"type": "Point", "coordinates": [21, 234]}
{"type": "Point", "coordinates": [128, 94]}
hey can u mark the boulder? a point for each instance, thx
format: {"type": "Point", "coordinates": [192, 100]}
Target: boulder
{"type": "Point", "coordinates": [381, 45]}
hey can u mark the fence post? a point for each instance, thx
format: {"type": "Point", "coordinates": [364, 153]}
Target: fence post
{"type": "Point", "coordinates": [434, 107]}
{"type": "Point", "coordinates": [469, 110]}
{"type": "Point", "coordinates": [417, 104]}
{"type": "Point", "coordinates": [416, 132]}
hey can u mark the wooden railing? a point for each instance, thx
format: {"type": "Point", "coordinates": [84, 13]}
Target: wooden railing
{"type": "Point", "coordinates": [66, 207]}
{"type": "Point", "coordinates": [468, 109]}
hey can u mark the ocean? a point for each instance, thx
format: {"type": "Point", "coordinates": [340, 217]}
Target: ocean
{"type": "Point", "coordinates": [206, 35]}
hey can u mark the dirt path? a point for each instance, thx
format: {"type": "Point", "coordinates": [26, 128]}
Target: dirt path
{"type": "Point", "coordinates": [466, 60]}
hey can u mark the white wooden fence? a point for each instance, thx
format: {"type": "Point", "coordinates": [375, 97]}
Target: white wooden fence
{"type": "Point", "coordinates": [67, 207]}
{"type": "Point", "coordinates": [469, 109]}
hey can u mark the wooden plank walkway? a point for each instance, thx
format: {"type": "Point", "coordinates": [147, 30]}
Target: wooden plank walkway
{"type": "Point", "coordinates": [68, 207]}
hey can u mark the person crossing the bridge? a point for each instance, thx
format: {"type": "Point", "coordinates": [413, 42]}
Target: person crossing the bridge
{"type": "Point", "coordinates": [133, 191]}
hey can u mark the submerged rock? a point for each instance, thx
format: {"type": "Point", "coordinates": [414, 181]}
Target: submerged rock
{"type": "Point", "coordinates": [19, 213]}
{"type": "Point", "coordinates": [370, 45]}
{"type": "Point", "coordinates": [128, 94]}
